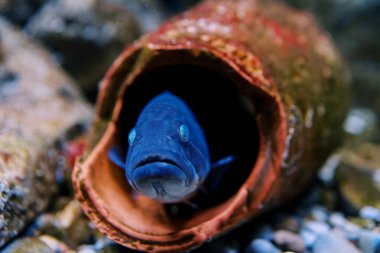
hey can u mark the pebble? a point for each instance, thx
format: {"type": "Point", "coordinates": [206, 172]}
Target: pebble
{"type": "Point", "coordinates": [370, 213]}
{"type": "Point", "coordinates": [333, 242]}
{"type": "Point", "coordinates": [289, 223]}
{"type": "Point", "coordinates": [369, 242]}
{"type": "Point", "coordinates": [308, 238]}
{"type": "Point", "coordinates": [262, 246]}
{"type": "Point", "coordinates": [319, 213]}
{"type": "Point", "coordinates": [337, 219]}
{"type": "Point", "coordinates": [363, 223]}
{"type": "Point", "coordinates": [316, 227]}
{"type": "Point", "coordinates": [289, 241]}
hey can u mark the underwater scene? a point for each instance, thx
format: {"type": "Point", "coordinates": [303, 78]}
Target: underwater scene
{"type": "Point", "coordinates": [232, 126]}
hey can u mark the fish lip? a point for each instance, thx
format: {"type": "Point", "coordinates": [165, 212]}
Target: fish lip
{"type": "Point", "coordinates": [155, 158]}
{"type": "Point", "coordinates": [171, 157]}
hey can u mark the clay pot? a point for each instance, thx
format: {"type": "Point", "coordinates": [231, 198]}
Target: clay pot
{"type": "Point", "coordinates": [266, 85]}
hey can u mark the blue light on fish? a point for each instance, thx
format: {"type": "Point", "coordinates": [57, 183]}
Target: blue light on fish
{"type": "Point", "coordinates": [168, 156]}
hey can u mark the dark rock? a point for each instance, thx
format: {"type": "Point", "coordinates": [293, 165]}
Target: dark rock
{"type": "Point", "coordinates": [86, 36]}
{"type": "Point", "coordinates": [19, 11]}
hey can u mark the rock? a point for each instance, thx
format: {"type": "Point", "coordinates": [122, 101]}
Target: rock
{"type": "Point", "coordinates": [363, 223]}
{"type": "Point", "coordinates": [369, 212]}
{"type": "Point", "coordinates": [358, 175]}
{"type": "Point", "coordinates": [262, 246]}
{"type": "Point", "coordinates": [337, 219]}
{"type": "Point", "coordinates": [316, 227]}
{"type": "Point", "coordinates": [319, 213]}
{"type": "Point", "coordinates": [289, 241]}
{"type": "Point", "coordinates": [54, 244]}
{"type": "Point", "coordinates": [362, 124]}
{"type": "Point", "coordinates": [38, 103]}
{"type": "Point", "coordinates": [289, 223]}
{"type": "Point", "coordinates": [349, 229]}
{"type": "Point", "coordinates": [308, 238]}
{"type": "Point", "coordinates": [86, 36]}
{"type": "Point", "coordinates": [68, 225]}
{"type": "Point", "coordinates": [333, 242]}
{"type": "Point", "coordinates": [369, 242]}
{"type": "Point", "coordinates": [29, 245]}
{"type": "Point", "coordinates": [19, 11]}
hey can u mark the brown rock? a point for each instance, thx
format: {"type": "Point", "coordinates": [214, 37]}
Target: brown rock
{"type": "Point", "coordinates": [38, 103]}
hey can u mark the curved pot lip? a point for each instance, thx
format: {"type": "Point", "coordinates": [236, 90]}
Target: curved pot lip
{"type": "Point", "coordinates": [240, 206]}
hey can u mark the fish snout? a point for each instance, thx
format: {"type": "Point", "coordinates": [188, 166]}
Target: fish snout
{"type": "Point", "coordinates": [160, 180]}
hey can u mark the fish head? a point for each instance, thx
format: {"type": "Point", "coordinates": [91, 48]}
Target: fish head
{"type": "Point", "coordinates": [168, 157]}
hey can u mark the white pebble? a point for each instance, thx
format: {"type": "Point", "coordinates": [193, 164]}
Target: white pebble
{"type": "Point", "coordinates": [316, 227]}
{"type": "Point", "coordinates": [262, 246]}
{"type": "Point", "coordinates": [369, 242]}
{"type": "Point", "coordinates": [370, 213]}
{"type": "Point", "coordinates": [308, 238]}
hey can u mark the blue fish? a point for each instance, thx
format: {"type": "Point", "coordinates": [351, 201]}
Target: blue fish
{"type": "Point", "coordinates": [168, 156]}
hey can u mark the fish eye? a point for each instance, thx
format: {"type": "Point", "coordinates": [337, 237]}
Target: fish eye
{"type": "Point", "coordinates": [184, 133]}
{"type": "Point", "coordinates": [131, 136]}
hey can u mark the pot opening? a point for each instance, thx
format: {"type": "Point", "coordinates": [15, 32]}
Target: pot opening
{"type": "Point", "coordinates": [223, 112]}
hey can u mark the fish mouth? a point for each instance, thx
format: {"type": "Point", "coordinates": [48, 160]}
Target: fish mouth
{"type": "Point", "coordinates": [154, 159]}
{"type": "Point", "coordinates": [163, 178]}
{"type": "Point", "coordinates": [159, 180]}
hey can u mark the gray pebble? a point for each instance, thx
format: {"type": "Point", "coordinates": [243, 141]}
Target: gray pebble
{"type": "Point", "coordinates": [369, 242]}
{"type": "Point", "coordinates": [316, 227]}
{"type": "Point", "coordinates": [351, 230]}
{"type": "Point", "coordinates": [333, 242]}
{"type": "Point", "coordinates": [308, 238]}
{"type": "Point", "coordinates": [370, 213]}
{"type": "Point", "coordinates": [337, 220]}
{"type": "Point", "coordinates": [289, 223]}
{"type": "Point", "coordinates": [86, 249]}
{"type": "Point", "coordinates": [319, 213]}
{"type": "Point", "coordinates": [289, 241]}
{"type": "Point", "coordinates": [262, 246]}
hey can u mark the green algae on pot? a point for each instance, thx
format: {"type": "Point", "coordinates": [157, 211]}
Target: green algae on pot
{"type": "Point", "coordinates": [265, 83]}
{"type": "Point", "coordinates": [38, 103]}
